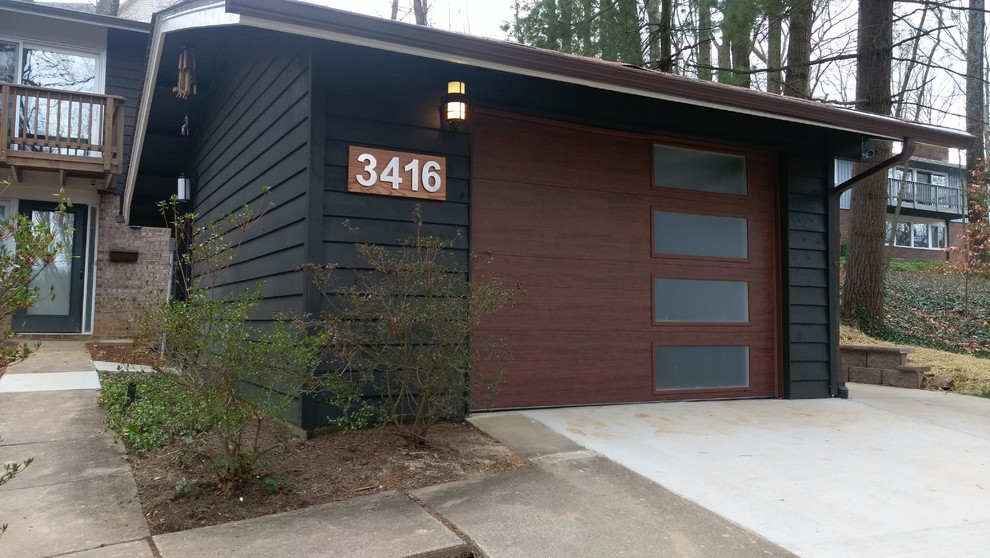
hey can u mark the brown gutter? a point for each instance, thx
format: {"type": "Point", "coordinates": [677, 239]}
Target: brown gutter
{"type": "Point", "coordinates": [906, 151]}
{"type": "Point", "coordinates": [516, 58]}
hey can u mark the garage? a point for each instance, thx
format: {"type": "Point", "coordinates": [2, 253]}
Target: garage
{"type": "Point", "coordinates": [649, 264]}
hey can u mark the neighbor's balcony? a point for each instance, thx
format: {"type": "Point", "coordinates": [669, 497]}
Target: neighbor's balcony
{"type": "Point", "coordinates": [72, 133]}
{"type": "Point", "coordinates": [929, 197]}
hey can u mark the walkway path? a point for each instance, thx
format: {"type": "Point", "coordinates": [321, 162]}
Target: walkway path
{"type": "Point", "coordinates": [78, 496]}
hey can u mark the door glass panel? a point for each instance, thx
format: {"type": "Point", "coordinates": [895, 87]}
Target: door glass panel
{"type": "Point", "coordinates": [54, 282]}
{"type": "Point", "coordinates": [690, 300]}
{"type": "Point", "coordinates": [703, 171]}
{"type": "Point", "coordinates": [687, 234]}
{"type": "Point", "coordinates": [701, 367]}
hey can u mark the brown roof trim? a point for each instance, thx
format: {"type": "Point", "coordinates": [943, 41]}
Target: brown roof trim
{"type": "Point", "coordinates": [74, 15]}
{"type": "Point", "coordinates": [596, 73]}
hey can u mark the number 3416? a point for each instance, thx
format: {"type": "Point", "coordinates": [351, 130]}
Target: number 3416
{"type": "Point", "coordinates": [420, 173]}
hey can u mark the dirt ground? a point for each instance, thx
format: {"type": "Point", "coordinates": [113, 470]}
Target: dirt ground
{"type": "Point", "coordinates": [177, 489]}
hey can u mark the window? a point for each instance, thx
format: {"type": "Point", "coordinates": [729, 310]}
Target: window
{"type": "Point", "coordinates": [918, 235]}
{"type": "Point", "coordinates": [50, 66]}
{"type": "Point", "coordinates": [702, 171]}
{"type": "Point", "coordinates": [45, 121]}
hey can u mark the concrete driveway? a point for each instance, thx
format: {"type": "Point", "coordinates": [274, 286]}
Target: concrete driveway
{"type": "Point", "coordinates": [888, 472]}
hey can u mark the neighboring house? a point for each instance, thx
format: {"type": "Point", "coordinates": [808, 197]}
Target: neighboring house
{"type": "Point", "coordinates": [675, 237]}
{"type": "Point", "coordinates": [70, 86]}
{"type": "Point", "coordinates": [932, 198]}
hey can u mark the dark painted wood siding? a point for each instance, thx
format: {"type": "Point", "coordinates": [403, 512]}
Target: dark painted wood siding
{"type": "Point", "coordinates": [364, 110]}
{"type": "Point", "coordinates": [125, 68]}
{"type": "Point", "coordinates": [255, 134]}
{"type": "Point", "coordinates": [807, 287]}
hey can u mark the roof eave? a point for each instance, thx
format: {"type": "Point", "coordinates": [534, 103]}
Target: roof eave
{"type": "Point", "coordinates": [317, 21]}
{"type": "Point", "coordinates": [75, 16]}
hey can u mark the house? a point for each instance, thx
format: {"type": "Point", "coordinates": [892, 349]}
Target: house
{"type": "Point", "coordinates": [677, 239]}
{"type": "Point", "coordinates": [932, 196]}
{"type": "Point", "coordinates": [70, 85]}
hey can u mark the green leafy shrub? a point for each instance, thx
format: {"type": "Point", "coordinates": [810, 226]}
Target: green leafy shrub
{"type": "Point", "coordinates": [405, 329]}
{"type": "Point", "coordinates": [157, 416]}
{"type": "Point", "coordinates": [228, 375]}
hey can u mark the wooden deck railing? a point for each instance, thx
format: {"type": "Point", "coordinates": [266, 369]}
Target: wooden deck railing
{"type": "Point", "coordinates": [68, 131]}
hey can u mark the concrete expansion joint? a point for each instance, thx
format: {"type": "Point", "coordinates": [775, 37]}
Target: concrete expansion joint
{"type": "Point", "coordinates": [553, 458]}
{"type": "Point", "coordinates": [473, 549]}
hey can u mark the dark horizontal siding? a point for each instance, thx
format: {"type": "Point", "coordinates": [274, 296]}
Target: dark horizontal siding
{"type": "Point", "coordinates": [125, 68]}
{"type": "Point", "coordinates": [403, 118]}
{"type": "Point", "coordinates": [807, 277]}
{"type": "Point", "coordinates": [255, 135]}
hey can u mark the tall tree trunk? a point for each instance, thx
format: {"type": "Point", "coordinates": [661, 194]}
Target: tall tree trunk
{"type": "Point", "coordinates": [797, 80]}
{"type": "Point", "coordinates": [420, 10]}
{"type": "Point", "coordinates": [654, 33]}
{"type": "Point", "coordinates": [108, 7]}
{"type": "Point", "coordinates": [737, 29]}
{"type": "Point", "coordinates": [775, 33]}
{"type": "Point", "coordinates": [666, 13]}
{"type": "Point", "coordinates": [705, 40]}
{"type": "Point", "coordinates": [975, 117]}
{"type": "Point", "coordinates": [862, 296]}
{"type": "Point", "coordinates": [395, 10]}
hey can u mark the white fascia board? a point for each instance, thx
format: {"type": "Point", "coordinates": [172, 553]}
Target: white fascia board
{"type": "Point", "coordinates": [508, 68]}
{"type": "Point", "coordinates": [210, 15]}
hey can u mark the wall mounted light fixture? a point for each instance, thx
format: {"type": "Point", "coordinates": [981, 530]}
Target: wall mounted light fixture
{"type": "Point", "coordinates": [183, 188]}
{"type": "Point", "coordinates": [453, 109]}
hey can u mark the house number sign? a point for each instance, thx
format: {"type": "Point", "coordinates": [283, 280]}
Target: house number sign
{"type": "Point", "coordinates": [394, 173]}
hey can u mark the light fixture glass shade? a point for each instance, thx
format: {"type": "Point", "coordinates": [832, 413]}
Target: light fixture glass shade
{"type": "Point", "coordinates": [456, 112]}
{"type": "Point", "coordinates": [183, 186]}
{"type": "Point", "coordinates": [455, 104]}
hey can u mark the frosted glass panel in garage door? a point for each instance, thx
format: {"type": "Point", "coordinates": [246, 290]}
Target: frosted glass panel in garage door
{"type": "Point", "coordinates": [701, 367]}
{"type": "Point", "coordinates": [693, 169]}
{"type": "Point", "coordinates": [689, 234]}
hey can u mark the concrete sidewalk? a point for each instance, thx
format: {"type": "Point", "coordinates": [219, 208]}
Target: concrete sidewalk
{"type": "Point", "coordinates": [78, 497]}
{"type": "Point", "coordinates": [572, 502]}
{"type": "Point", "coordinates": [890, 472]}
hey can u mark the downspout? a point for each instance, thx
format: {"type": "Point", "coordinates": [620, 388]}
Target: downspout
{"type": "Point", "coordinates": [906, 152]}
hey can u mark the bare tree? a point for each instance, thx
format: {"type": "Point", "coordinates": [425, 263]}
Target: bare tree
{"type": "Point", "coordinates": [862, 297]}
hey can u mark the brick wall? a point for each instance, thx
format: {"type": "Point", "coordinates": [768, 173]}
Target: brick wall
{"type": "Point", "coordinates": [122, 287]}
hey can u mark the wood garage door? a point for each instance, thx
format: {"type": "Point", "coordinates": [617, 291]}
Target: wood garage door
{"type": "Point", "coordinates": [650, 266]}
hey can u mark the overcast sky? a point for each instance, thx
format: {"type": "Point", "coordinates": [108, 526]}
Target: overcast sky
{"type": "Point", "coordinates": [475, 17]}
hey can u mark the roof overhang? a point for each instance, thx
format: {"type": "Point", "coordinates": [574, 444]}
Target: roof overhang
{"type": "Point", "coordinates": [74, 16]}
{"type": "Point", "coordinates": [345, 27]}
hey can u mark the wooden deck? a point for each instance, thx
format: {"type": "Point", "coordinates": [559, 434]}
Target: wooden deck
{"type": "Point", "coordinates": [68, 132]}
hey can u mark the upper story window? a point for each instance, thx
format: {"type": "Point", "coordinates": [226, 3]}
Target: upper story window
{"type": "Point", "coordinates": [920, 176]}
{"type": "Point", "coordinates": [51, 66]}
